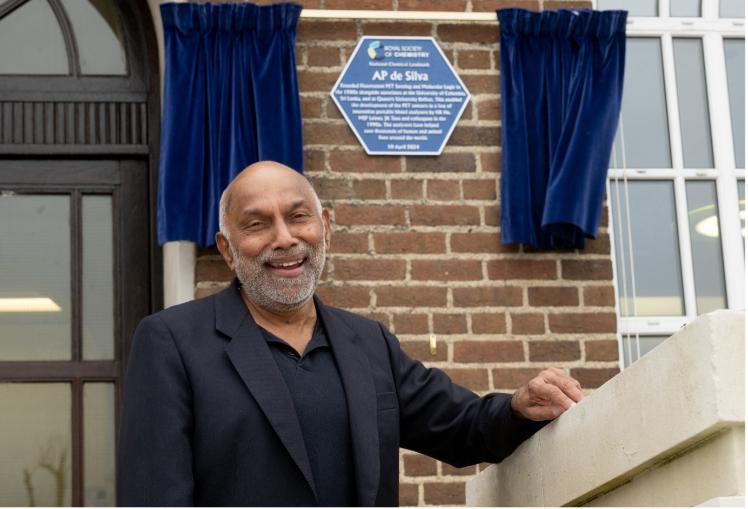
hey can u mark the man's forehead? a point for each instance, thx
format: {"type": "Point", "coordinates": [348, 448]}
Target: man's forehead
{"type": "Point", "coordinates": [262, 191]}
{"type": "Point", "coordinates": [266, 205]}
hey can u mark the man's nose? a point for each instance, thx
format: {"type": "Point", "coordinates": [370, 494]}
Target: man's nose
{"type": "Point", "coordinates": [284, 239]}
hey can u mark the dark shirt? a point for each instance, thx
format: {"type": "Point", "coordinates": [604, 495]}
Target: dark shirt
{"type": "Point", "coordinates": [319, 398]}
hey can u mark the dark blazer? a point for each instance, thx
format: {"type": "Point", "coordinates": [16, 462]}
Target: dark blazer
{"type": "Point", "coordinates": [208, 420]}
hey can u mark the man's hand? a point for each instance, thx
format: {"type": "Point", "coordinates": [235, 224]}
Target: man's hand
{"type": "Point", "coordinates": [548, 395]}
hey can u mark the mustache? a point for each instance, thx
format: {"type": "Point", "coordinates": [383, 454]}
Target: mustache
{"type": "Point", "coordinates": [302, 249]}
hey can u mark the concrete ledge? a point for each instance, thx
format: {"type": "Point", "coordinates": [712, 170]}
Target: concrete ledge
{"type": "Point", "coordinates": [724, 502]}
{"type": "Point", "coordinates": [686, 394]}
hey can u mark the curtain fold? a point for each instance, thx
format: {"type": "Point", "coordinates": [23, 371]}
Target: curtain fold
{"type": "Point", "coordinates": [230, 99]}
{"type": "Point", "coordinates": [561, 90]}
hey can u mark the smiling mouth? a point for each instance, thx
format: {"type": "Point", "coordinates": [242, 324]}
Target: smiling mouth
{"type": "Point", "coordinates": [288, 268]}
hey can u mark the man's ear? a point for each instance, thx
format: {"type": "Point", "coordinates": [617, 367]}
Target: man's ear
{"type": "Point", "coordinates": [328, 230]}
{"type": "Point", "coordinates": [222, 243]}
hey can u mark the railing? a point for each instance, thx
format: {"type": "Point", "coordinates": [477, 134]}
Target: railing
{"type": "Point", "coordinates": [667, 431]}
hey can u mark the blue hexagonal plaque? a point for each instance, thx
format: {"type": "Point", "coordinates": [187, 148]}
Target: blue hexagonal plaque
{"type": "Point", "coordinates": [400, 95]}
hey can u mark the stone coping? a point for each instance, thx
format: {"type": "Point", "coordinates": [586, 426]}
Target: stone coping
{"type": "Point", "coordinates": [683, 392]}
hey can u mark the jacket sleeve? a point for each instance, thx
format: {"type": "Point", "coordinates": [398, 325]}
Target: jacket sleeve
{"type": "Point", "coordinates": [449, 422]}
{"type": "Point", "coordinates": [154, 453]}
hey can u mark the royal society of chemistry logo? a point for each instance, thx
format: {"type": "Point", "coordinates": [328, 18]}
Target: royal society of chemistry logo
{"type": "Point", "coordinates": [376, 51]}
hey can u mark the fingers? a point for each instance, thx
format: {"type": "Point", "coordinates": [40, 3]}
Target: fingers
{"type": "Point", "coordinates": [546, 394]}
{"type": "Point", "coordinates": [569, 386]}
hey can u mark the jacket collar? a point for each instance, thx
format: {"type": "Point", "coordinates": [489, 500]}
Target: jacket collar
{"type": "Point", "coordinates": [252, 359]}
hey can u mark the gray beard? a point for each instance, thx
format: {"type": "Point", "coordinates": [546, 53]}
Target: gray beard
{"type": "Point", "coordinates": [280, 294]}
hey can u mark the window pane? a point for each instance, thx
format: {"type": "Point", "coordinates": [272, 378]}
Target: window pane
{"type": "Point", "coordinates": [741, 204]}
{"type": "Point", "coordinates": [635, 7]}
{"type": "Point", "coordinates": [98, 444]}
{"type": "Point", "coordinates": [98, 278]}
{"type": "Point", "coordinates": [31, 41]}
{"type": "Point", "coordinates": [690, 80]}
{"type": "Point", "coordinates": [706, 248]}
{"type": "Point", "coordinates": [653, 286]}
{"type": "Point", "coordinates": [34, 277]}
{"type": "Point", "coordinates": [731, 8]}
{"type": "Point", "coordinates": [735, 63]}
{"type": "Point", "coordinates": [99, 36]}
{"type": "Point", "coordinates": [643, 130]}
{"type": "Point", "coordinates": [685, 8]}
{"type": "Point", "coordinates": [35, 443]}
{"type": "Point", "coordinates": [635, 346]}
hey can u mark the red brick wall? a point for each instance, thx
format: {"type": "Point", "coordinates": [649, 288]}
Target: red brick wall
{"type": "Point", "coordinates": [416, 244]}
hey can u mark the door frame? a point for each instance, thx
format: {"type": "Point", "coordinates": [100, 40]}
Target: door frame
{"type": "Point", "coordinates": [126, 181]}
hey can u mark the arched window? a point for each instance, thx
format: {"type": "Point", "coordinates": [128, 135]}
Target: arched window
{"type": "Point", "coordinates": [76, 76]}
{"type": "Point", "coordinates": [61, 37]}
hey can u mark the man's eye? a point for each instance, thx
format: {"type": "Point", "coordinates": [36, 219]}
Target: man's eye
{"type": "Point", "coordinates": [254, 225]}
{"type": "Point", "coordinates": [300, 216]}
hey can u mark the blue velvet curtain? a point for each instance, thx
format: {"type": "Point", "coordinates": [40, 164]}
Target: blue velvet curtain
{"type": "Point", "coordinates": [230, 99]}
{"type": "Point", "coordinates": [561, 89]}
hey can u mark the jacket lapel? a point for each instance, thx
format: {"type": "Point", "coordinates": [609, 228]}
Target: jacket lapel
{"type": "Point", "coordinates": [252, 359]}
{"type": "Point", "coordinates": [355, 372]}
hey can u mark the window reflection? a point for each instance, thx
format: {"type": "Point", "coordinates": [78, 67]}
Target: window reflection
{"type": "Point", "coordinates": [685, 8]}
{"type": "Point", "coordinates": [635, 346]}
{"type": "Point", "coordinates": [741, 204]}
{"type": "Point", "coordinates": [98, 35]}
{"type": "Point", "coordinates": [735, 63]}
{"type": "Point", "coordinates": [690, 79]}
{"type": "Point", "coordinates": [642, 140]}
{"type": "Point", "coordinates": [706, 246]}
{"type": "Point", "coordinates": [731, 8]}
{"type": "Point", "coordinates": [35, 319]}
{"type": "Point", "coordinates": [31, 41]}
{"type": "Point", "coordinates": [35, 464]}
{"type": "Point", "coordinates": [98, 447]}
{"type": "Point", "coordinates": [646, 8]}
{"type": "Point", "coordinates": [98, 278]}
{"type": "Point", "coordinates": [649, 284]}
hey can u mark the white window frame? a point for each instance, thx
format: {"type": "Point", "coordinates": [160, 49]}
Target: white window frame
{"type": "Point", "coordinates": [712, 30]}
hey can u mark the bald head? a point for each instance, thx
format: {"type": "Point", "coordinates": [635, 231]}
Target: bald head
{"type": "Point", "coordinates": [265, 176]}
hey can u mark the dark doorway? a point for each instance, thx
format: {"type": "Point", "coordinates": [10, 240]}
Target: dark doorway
{"type": "Point", "coordinates": [79, 265]}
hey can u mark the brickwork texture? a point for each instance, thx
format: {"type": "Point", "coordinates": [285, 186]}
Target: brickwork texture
{"type": "Point", "coordinates": [415, 240]}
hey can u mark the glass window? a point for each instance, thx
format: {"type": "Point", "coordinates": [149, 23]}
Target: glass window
{"type": "Point", "coordinates": [642, 140]}
{"type": "Point", "coordinates": [635, 7]}
{"type": "Point", "coordinates": [735, 63]}
{"type": "Point", "coordinates": [653, 282]}
{"type": "Point", "coordinates": [98, 35]}
{"type": "Point", "coordinates": [98, 447]}
{"type": "Point", "coordinates": [685, 8]}
{"type": "Point", "coordinates": [644, 219]}
{"type": "Point", "coordinates": [31, 41]}
{"type": "Point", "coordinates": [635, 346]}
{"type": "Point", "coordinates": [35, 440]}
{"type": "Point", "coordinates": [690, 79]}
{"type": "Point", "coordinates": [741, 204]}
{"type": "Point", "coordinates": [35, 304]}
{"type": "Point", "coordinates": [98, 278]}
{"type": "Point", "coordinates": [731, 8]}
{"type": "Point", "coordinates": [706, 246]}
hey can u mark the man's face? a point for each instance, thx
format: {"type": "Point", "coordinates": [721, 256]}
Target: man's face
{"type": "Point", "coordinates": [276, 242]}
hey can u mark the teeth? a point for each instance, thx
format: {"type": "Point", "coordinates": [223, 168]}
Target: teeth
{"type": "Point", "coordinates": [287, 264]}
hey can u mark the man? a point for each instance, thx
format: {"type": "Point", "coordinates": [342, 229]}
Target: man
{"type": "Point", "coordinates": [261, 395]}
